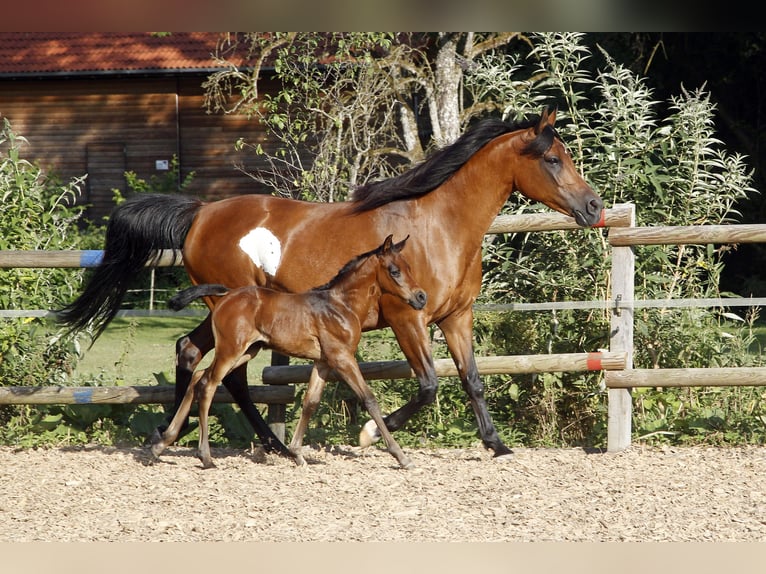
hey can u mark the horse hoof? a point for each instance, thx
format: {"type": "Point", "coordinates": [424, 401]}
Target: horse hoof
{"type": "Point", "coordinates": [369, 434]}
{"type": "Point", "coordinates": [408, 465]}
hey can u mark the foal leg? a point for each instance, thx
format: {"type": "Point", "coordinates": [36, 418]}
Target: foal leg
{"type": "Point", "coordinates": [412, 336]}
{"type": "Point", "coordinates": [170, 435]}
{"type": "Point", "coordinates": [309, 406]}
{"type": "Point", "coordinates": [458, 331]}
{"type": "Point", "coordinates": [189, 352]}
{"type": "Point", "coordinates": [228, 358]}
{"type": "Point", "coordinates": [236, 383]}
{"type": "Point", "coordinates": [190, 349]}
{"type": "Point", "coordinates": [348, 369]}
{"type": "Point", "coordinates": [206, 393]}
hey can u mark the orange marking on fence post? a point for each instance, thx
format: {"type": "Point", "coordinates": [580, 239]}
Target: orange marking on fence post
{"type": "Point", "coordinates": [593, 362]}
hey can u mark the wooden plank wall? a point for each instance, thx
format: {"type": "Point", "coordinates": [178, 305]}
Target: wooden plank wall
{"type": "Point", "coordinates": [76, 124]}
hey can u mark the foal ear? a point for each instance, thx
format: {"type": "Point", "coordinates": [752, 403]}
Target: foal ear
{"type": "Point", "coordinates": [399, 246]}
{"type": "Point", "coordinates": [388, 244]}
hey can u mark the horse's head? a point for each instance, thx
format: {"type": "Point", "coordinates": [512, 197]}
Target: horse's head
{"type": "Point", "coordinates": [548, 174]}
{"type": "Point", "coordinates": [394, 275]}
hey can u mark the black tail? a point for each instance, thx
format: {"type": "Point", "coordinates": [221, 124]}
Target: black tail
{"type": "Point", "coordinates": [136, 230]}
{"type": "Point", "coordinates": [182, 299]}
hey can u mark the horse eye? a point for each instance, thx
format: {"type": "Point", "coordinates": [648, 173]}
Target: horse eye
{"type": "Point", "coordinates": [394, 272]}
{"type": "Point", "coordinates": [552, 159]}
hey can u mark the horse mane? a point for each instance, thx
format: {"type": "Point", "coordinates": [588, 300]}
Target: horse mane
{"type": "Point", "coordinates": [442, 164]}
{"type": "Point", "coordinates": [349, 267]}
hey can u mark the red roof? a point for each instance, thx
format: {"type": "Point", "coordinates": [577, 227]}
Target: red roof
{"type": "Point", "coordinates": [44, 53]}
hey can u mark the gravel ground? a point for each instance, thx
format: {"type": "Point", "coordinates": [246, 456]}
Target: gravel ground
{"type": "Point", "coordinates": [346, 494]}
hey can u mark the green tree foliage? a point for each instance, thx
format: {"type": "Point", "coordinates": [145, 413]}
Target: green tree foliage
{"type": "Point", "coordinates": [357, 114]}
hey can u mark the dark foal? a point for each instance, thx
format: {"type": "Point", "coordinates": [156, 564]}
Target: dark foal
{"type": "Point", "coordinates": [324, 325]}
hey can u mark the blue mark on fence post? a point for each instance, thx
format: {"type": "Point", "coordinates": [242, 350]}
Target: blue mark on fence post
{"type": "Point", "coordinates": [83, 396]}
{"type": "Point", "coordinates": [91, 257]}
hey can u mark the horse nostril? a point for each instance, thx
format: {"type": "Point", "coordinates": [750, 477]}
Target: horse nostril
{"type": "Point", "coordinates": [595, 205]}
{"type": "Point", "coordinates": [421, 298]}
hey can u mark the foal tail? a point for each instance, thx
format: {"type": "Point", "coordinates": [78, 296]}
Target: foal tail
{"type": "Point", "coordinates": [137, 229]}
{"type": "Point", "coordinates": [182, 299]}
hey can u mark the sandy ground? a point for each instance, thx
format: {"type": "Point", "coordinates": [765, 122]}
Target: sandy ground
{"type": "Point", "coordinates": [345, 494]}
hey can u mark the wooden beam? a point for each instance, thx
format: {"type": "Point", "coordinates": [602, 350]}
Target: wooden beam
{"type": "Point", "coordinates": [697, 377]}
{"type": "Point", "coordinates": [53, 395]}
{"type": "Point", "coordinates": [692, 234]}
{"type": "Point", "coordinates": [618, 216]}
{"type": "Point", "coordinates": [72, 258]}
{"type": "Point", "coordinates": [507, 364]}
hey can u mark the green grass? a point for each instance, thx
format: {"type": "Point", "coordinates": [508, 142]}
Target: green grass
{"type": "Point", "coordinates": [133, 350]}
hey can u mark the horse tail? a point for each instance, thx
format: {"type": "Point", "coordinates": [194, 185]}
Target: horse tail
{"type": "Point", "coordinates": [182, 299]}
{"type": "Point", "coordinates": [136, 230]}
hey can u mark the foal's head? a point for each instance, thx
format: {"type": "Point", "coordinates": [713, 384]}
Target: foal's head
{"type": "Point", "coordinates": [394, 275]}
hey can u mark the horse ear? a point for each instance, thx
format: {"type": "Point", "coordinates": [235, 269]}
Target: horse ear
{"type": "Point", "coordinates": [546, 119]}
{"type": "Point", "coordinates": [387, 244]}
{"type": "Point", "coordinates": [399, 246]}
{"type": "Point", "coordinates": [552, 116]}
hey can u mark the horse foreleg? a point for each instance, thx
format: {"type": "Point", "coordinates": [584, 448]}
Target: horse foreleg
{"type": "Point", "coordinates": [458, 332]}
{"type": "Point", "coordinates": [170, 435]}
{"type": "Point", "coordinates": [413, 340]}
{"type": "Point", "coordinates": [309, 406]}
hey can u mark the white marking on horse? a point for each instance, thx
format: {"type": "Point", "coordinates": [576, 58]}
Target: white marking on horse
{"type": "Point", "coordinates": [263, 247]}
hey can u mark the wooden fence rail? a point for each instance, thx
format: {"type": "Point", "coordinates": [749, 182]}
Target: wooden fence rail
{"type": "Point", "coordinates": [129, 395]}
{"type": "Point", "coordinates": [498, 365]}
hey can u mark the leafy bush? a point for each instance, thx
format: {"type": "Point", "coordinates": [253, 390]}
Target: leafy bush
{"type": "Point", "coordinates": [676, 173]}
{"type": "Point", "coordinates": [38, 213]}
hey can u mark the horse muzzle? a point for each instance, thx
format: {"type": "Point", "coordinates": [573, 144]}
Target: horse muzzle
{"type": "Point", "coordinates": [591, 215]}
{"type": "Point", "coordinates": [418, 300]}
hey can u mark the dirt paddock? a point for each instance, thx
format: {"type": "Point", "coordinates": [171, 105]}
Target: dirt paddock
{"type": "Point", "coordinates": [345, 494]}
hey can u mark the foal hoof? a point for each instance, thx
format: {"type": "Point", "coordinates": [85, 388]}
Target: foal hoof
{"type": "Point", "coordinates": [369, 434]}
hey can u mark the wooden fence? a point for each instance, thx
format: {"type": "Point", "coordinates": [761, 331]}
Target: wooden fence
{"type": "Point", "coordinates": [278, 389]}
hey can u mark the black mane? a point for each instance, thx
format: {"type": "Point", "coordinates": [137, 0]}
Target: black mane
{"type": "Point", "coordinates": [442, 164]}
{"type": "Point", "coordinates": [349, 267]}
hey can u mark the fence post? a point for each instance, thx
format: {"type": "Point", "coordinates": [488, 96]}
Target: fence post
{"type": "Point", "coordinates": [620, 407]}
{"type": "Point", "coordinates": [276, 416]}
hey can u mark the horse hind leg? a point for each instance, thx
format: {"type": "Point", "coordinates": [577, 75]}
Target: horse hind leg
{"type": "Point", "coordinates": [236, 383]}
{"type": "Point", "coordinates": [207, 391]}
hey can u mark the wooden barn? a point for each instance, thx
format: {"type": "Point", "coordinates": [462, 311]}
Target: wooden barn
{"type": "Point", "coordinates": [102, 104]}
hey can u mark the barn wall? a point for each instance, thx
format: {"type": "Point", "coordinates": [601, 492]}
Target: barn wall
{"type": "Point", "coordinates": [104, 126]}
